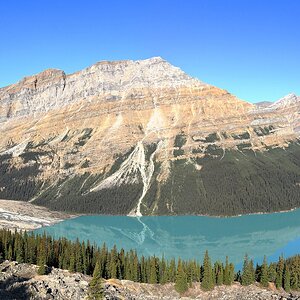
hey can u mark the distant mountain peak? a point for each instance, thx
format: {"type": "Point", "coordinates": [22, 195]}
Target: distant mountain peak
{"type": "Point", "coordinates": [289, 99]}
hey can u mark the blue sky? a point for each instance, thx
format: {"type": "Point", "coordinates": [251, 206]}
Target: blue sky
{"type": "Point", "coordinates": [248, 47]}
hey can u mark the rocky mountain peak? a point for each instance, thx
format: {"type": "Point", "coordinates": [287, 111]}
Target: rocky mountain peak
{"type": "Point", "coordinates": [286, 101]}
{"type": "Point", "coordinates": [106, 80]}
{"type": "Point", "coordinates": [152, 72]}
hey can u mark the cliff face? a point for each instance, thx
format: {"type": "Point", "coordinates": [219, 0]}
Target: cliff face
{"type": "Point", "coordinates": [143, 137]}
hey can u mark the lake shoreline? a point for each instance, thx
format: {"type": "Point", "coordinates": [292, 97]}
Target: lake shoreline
{"type": "Point", "coordinates": [190, 215]}
{"type": "Point", "coordinates": [21, 215]}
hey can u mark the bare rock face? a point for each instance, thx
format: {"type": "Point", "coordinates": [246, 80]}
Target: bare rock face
{"type": "Point", "coordinates": [21, 282]}
{"type": "Point", "coordinates": [109, 81]}
{"type": "Point", "coordinates": [143, 137]}
{"type": "Point", "coordinates": [123, 289]}
{"type": "Point", "coordinates": [285, 102]}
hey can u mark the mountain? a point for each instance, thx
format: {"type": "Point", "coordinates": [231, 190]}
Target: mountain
{"type": "Point", "coordinates": [142, 138]}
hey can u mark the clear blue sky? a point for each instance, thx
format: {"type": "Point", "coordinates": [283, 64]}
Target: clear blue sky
{"type": "Point", "coordinates": [249, 47]}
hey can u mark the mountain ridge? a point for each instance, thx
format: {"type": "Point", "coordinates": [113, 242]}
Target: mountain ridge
{"type": "Point", "coordinates": [137, 134]}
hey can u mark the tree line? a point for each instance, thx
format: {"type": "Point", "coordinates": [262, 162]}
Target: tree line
{"type": "Point", "coordinates": [101, 262]}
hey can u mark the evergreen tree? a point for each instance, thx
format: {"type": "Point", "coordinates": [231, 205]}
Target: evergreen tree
{"type": "Point", "coordinates": [286, 279]}
{"type": "Point", "coordinates": [295, 272]}
{"type": "Point", "coordinates": [172, 271]}
{"type": "Point", "coordinates": [181, 284]}
{"type": "Point", "coordinates": [10, 252]}
{"type": "Point", "coordinates": [19, 249]}
{"type": "Point", "coordinates": [143, 270]}
{"type": "Point", "coordinates": [163, 277]}
{"type": "Point", "coordinates": [218, 270]}
{"type": "Point", "coordinates": [231, 273]}
{"type": "Point", "coordinates": [257, 272]}
{"type": "Point", "coordinates": [42, 270]}
{"type": "Point", "coordinates": [96, 286]}
{"type": "Point", "coordinates": [248, 275]}
{"type": "Point", "coordinates": [279, 272]}
{"type": "Point", "coordinates": [228, 273]}
{"type": "Point", "coordinates": [207, 278]}
{"type": "Point", "coordinates": [72, 264]}
{"type": "Point", "coordinates": [42, 257]}
{"type": "Point", "coordinates": [264, 278]}
{"type": "Point", "coordinates": [226, 278]}
{"type": "Point", "coordinates": [135, 268]}
{"type": "Point", "coordinates": [272, 272]}
{"type": "Point", "coordinates": [153, 271]}
{"type": "Point", "coordinates": [112, 265]}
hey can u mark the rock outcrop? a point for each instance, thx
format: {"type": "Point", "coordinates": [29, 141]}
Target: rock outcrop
{"type": "Point", "coordinates": [133, 137]}
{"type": "Point", "coordinates": [21, 282]}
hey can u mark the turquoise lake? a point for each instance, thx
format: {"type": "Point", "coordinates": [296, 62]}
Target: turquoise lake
{"type": "Point", "coordinates": [189, 236]}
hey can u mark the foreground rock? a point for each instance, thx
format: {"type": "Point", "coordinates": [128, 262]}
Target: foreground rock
{"type": "Point", "coordinates": [21, 281]}
{"type": "Point", "coordinates": [124, 289]}
{"type": "Point", "coordinates": [21, 215]}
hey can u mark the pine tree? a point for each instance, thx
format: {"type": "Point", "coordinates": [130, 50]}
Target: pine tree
{"type": "Point", "coordinates": [163, 277]}
{"type": "Point", "coordinates": [248, 275]}
{"type": "Point", "coordinates": [226, 276]}
{"type": "Point", "coordinates": [153, 271]}
{"type": "Point", "coordinates": [231, 273]}
{"type": "Point", "coordinates": [143, 270]}
{"type": "Point", "coordinates": [72, 264]}
{"type": "Point", "coordinates": [135, 268]}
{"type": "Point", "coordinates": [192, 272]}
{"type": "Point", "coordinates": [172, 271]}
{"type": "Point", "coordinates": [295, 272]}
{"type": "Point", "coordinates": [264, 278]}
{"type": "Point", "coordinates": [228, 273]}
{"type": "Point", "coordinates": [257, 273]}
{"type": "Point", "coordinates": [19, 249]}
{"type": "Point", "coordinates": [96, 286]}
{"type": "Point", "coordinates": [181, 284]}
{"type": "Point", "coordinates": [279, 272]}
{"type": "Point", "coordinates": [42, 259]}
{"type": "Point", "coordinates": [218, 270]}
{"type": "Point", "coordinates": [113, 263]}
{"type": "Point", "coordinates": [286, 279]}
{"type": "Point", "coordinates": [207, 278]}
{"type": "Point", "coordinates": [10, 252]}
{"type": "Point", "coordinates": [42, 270]}
{"type": "Point", "coordinates": [252, 271]}
{"type": "Point", "coordinates": [272, 272]}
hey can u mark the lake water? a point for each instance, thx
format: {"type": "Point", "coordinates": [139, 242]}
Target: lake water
{"type": "Point", "coordinates": [189, 236]}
